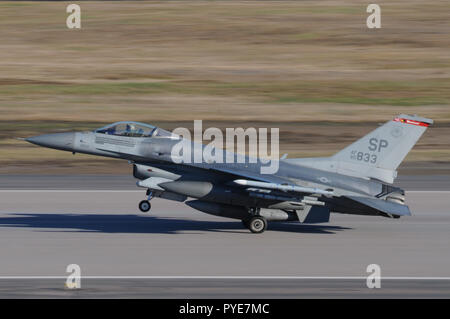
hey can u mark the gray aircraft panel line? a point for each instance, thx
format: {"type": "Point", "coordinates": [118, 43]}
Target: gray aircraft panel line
{"type": "Point", "coordinates": [125, 182]}
{"type": "Point", "coordinates": [104, 233]}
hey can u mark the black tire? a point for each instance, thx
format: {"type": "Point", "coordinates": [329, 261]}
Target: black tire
{"type": "Point", "coordinates": [245, 223]}
{"type": "Point", "coordinates": [145, 206]}
{"type": "Point", "coordinates": [257, 224]}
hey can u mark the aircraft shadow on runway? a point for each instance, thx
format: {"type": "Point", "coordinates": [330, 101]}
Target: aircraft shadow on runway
{"type": "Point", "coordinates": [145, 224]}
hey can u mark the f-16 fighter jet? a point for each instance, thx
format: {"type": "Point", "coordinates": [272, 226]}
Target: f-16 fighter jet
{"type": "Point", "coordinates": [356, 180]}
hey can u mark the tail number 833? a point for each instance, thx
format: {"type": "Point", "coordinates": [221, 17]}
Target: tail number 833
{"type": "Point", "coordinates": [363, 157]}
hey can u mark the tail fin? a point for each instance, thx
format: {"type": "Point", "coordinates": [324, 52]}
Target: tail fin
{"type": "Point", "coordinates": [386, 146]}
{"type": "Point", "coordinates": [379, 153]}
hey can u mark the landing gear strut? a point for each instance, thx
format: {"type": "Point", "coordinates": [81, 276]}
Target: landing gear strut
{"type": "Point", "coordinates": [145, 205]}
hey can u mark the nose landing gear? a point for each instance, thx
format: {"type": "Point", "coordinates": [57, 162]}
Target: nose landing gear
{"type": "Point", "coordinates": [144, 205]}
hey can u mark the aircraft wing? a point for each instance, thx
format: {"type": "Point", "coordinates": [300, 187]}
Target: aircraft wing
{"type": "Point", "coordinates": [271, 182]}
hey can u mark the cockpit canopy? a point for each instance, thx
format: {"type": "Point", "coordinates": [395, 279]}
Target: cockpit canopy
{"type": "Point", "coordinates": [131, 129]}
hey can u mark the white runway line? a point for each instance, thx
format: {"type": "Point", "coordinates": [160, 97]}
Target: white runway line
{"type": "Point", "coordinates": [230, 277]}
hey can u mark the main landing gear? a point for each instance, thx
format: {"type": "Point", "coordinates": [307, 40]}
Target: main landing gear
{"type": "Point", "coordinates": [256, 224]}
{"type": "Point", "coordinates": [144, 205]}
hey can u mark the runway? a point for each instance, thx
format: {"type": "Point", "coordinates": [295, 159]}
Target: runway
{"type": "Point", "coordinates": [183, 253]}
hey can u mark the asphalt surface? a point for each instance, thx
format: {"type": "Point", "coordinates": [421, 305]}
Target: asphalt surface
{"type": "Point", "coordinates": [221, 288]}
{"type": "Point", "coordinates": [94, 222]}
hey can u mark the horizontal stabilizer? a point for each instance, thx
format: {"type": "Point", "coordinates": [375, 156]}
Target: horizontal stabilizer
{"type": "Point", "coordinates": [382, 205]}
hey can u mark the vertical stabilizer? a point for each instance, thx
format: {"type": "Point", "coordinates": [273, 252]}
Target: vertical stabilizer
{"type": "Point", "coordinates": [376, 155]}
{"type": "Point", "coordinates": [386, 146]}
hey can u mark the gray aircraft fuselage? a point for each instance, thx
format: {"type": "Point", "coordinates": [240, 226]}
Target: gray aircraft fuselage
{"type": "Point", "coordinates": [235, 190]}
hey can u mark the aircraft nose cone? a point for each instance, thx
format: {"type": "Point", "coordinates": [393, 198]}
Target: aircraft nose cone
{"type": "Point", "coordinates": [60, 141]}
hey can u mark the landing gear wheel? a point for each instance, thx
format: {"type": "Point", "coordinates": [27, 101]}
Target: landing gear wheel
{"type": "Point", "coordinates": [144, 206]}
{"type": "Point", "coordinates": [257, 224]}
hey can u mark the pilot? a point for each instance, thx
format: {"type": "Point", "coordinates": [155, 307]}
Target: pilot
{"type": "Point", "coordinates": [131, 129]}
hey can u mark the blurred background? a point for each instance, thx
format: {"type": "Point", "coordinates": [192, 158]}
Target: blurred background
{"type": "Point", "coordinates": [311, 68]}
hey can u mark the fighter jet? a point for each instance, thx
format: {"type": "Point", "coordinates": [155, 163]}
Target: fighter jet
{"type": "Point", "coordinates": [356, 180]}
